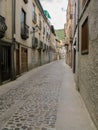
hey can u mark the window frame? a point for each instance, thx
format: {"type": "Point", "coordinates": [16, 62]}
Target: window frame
{"type": "Point", "coordinates": [85, 35]}
{"type": "Point", "coordinates": [33, 10]}
{"type": "Point", "coordinates": [23, 12]}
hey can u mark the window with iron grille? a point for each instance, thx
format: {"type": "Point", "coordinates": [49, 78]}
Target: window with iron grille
{"type": "Point", "coordinates": [85, 37]}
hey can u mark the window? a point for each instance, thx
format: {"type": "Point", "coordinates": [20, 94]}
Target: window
{"type": "Point", "coordinates": [39, 37]}
{"type": "Point", "coordinates": [85, 37]}
{"type": "Point", "coordinates": [23, 17]}
{"type": "Point", "coordinates": [34, 15]}
{"type": "Point", "coordinates": [40, 23]}
{"type": "Point", "coordinates": [39, 17]}
{"type": "Point", "coordinates": [43, 27]}
{"type": "Point", "coordinates": [23, 20]}
{"type": "Point", "coordinates": [33, 10]}
{"type": "Point", "coordinates": [24, 27]}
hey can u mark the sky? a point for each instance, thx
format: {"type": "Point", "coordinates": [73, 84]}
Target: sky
{"type": "Point", "coordinates": [57, 11]}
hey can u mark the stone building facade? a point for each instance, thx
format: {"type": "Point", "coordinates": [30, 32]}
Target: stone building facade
{"type": "Point", "coordinates": [6, 41]}
{"type": "Point", "coordinates": [88, 56]}
{"type": "Point", "coordinates": [68, 32]}
{"type": "Point", "coordinates": [24, 37]}
{"type": "Point", "coordinates": [75, 42]}
{"type": "Point", "coordinates": [85, 41]}
{"type": "Point", "coordinates": [53, 52]}
{"type": "Point", "coordinates": [40, 35]}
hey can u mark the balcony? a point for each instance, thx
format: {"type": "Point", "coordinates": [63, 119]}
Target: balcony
{"type": "Point", "coordinates": [47, 48]}
{"type": "Point", "coordinates": [26, 1]}
{"type": "Point", "coordinates": [24, 31]}
{"type": "Point", "coordinates": [40, 45]}
{"type": "Point", "coordinates": [34, 18]}
{"type": "Point", "coordinates": [3, 26]}
{"type": "Point", "coordinates": [44, 47]}
{"type": "Point", "coordinates": [34, 43]}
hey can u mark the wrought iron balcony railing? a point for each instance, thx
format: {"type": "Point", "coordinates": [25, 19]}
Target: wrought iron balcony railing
{"type": "Point", "coordinates": [40, 45]}
{"type": "Point", "coordinates": [34, 43]}
{"type": "Point", "coordinates": [3, 26]}
{"type": "Point", "coordinates": [44, 47]}
{"type": "Point", "coordinates": [24, 31]}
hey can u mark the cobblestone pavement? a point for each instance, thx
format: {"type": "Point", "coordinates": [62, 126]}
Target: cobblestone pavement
{"type": "Point", "coordinates": [31, 104]}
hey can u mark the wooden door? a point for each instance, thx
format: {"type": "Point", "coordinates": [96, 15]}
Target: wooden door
{"type": "Point", "coordinates": [17, 62]}
{"type": "Point", "coordinates": [5, 62]}
{"type": "Point", "coordinates": [24, 60]}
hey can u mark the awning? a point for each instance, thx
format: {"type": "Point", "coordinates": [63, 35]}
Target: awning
{"type": "Point", "coordinates": [46, 13]}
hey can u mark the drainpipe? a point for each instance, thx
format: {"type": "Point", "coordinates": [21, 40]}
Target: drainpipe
{"type": "Point", "coordinates": [78, 25]}
{"type": "Point", "coordinates": [0, 66]}
{"type": "Point", "coordinates": [78, 49]}
{"type": "Point", "coordinates": [13, 75]}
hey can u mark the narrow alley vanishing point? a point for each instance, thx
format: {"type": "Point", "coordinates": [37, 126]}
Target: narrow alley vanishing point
{"type": "Point", "coordinates": [43, 99]}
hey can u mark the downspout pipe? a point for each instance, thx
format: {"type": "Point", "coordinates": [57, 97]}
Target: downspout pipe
{"type": "Point", "coordinates": [78, 24]}
{"type": "Point", "coordinates": [0, 66]}
{"type": "Point", "coordinates": [78, 47]}
{"type": "Point", "coordinates": [13, 75]}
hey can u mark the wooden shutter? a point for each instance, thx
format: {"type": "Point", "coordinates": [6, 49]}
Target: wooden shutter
{"type": "Point", "coordinates": [85, 37]}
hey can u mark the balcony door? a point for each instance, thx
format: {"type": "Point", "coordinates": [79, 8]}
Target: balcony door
{"type": "Point", "coordinates": [23, 16]}
{"type": "Point", "coordinates": [23, 20]}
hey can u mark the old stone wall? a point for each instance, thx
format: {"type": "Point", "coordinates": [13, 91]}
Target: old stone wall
{"type": "Point", "coordinates": [88, 63]}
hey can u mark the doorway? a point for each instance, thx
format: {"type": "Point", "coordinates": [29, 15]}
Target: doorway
{"type": "Point", "coordinates": [74, 64]}
{"type": "Point", "coordinates": [17, 62]}
{"type": "Point", "coordinates": [5, 63]}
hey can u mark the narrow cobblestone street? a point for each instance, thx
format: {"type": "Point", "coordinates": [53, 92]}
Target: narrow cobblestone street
{"type": "Point", "coordinates": [43, 99]}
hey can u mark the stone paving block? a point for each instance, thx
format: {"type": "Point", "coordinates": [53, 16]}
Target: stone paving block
{"type": "Point", "coordinates": [35, 100]}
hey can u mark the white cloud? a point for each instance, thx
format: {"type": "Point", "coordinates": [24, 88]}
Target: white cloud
{"type": "Point", "coordinates": [57, 11]}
